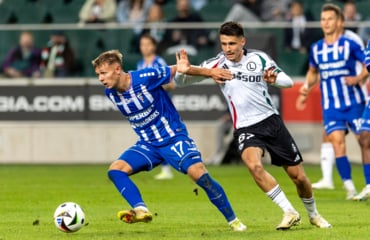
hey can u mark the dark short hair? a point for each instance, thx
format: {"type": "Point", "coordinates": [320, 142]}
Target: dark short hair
{"type": "Point", "coordinates": [150, 37]}
{"type": "Point", "coordinates": [231, 29]}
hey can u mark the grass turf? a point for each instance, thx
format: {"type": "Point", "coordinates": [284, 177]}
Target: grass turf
{"type": "Point", "coordinates": [29, 195]}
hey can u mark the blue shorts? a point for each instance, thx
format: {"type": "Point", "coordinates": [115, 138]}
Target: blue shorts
{"type": "Point", "coordinates": [339, 120]}
{"type": "Point", "coordinates": [181, 152]}
{"type": "Point", "coordinates": [365, 123]}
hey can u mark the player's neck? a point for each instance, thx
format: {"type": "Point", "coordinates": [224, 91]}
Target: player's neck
{"type": "Point", "coordinates": [332, 38]}
{"type": "Point", "coordinates": [149, 59]}
{"type": "Point", "coordinates": [124, 82]}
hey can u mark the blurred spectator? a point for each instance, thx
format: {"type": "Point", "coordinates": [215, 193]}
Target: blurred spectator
{"type": "Point", "coordinates": [189, 39]}
{"type": "Point", "coordinates": [197, 5]}
{"type": "Point", "coordinates": [350, 14]}
{"type": "Point", "coordinates": [24, 59]}
{"type": "Point", "coordinates": [98, 11]}
{"type": "Point", "coordinates": [155, 18]}
{"type": "Point", "coordinates": [298, 37]}
{"type": "Point", "coordinates": [133, 11]}
{"type": "Point", "coordinates": [57, 58]}
{"type": "Point", "coordinates": [274, 10]}
{"type": "Point", "coordinates": [244, 11]}
{"type": "Point", "coordinates": [364, 32]}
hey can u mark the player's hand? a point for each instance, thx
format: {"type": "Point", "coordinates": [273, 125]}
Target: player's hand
{"type": "Point", "coordinates": [301, 101]}
{"type": "Point", "coordinates": [270, 76]}
{"type": "Point", "coordinates": [352, 80]}
{"type": "Point", "coordinates": [221, 75]}
{"type": "Point", "coordinates": [182, 61]}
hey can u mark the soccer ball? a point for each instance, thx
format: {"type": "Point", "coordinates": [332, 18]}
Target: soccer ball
{"type": "Point", "coordinates": [69, 217]}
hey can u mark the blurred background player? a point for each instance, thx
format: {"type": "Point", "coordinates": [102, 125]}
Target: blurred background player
{"type": "Point", "coordinates": [365, 140]}
{"type": "Point", "coordinates": [343, 99]}
{"type": "Point", "coordinates": [327, 155]}
{"type": "Point", "coordinates": [148, 49]}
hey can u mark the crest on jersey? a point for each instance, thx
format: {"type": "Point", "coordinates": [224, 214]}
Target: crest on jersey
{"type": "Point", "coordinates": [251, 66]}
{"type": "Point", "coordinates": [340, 49]}
{"type": "Point", "coordinates": [140, 97]}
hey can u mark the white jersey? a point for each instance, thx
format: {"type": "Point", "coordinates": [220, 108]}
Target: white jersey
{"type": "Point", "coordinates": [247, 93]}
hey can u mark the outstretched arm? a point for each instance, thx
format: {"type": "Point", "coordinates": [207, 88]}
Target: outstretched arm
{"type": "Point", "coordinates": [184, 68]}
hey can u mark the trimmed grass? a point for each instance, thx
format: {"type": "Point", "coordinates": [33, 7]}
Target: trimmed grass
{"type": "Point", "coordinates": [29, 194]}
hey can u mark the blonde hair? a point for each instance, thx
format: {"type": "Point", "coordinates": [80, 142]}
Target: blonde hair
{"type": "Point", "coordinates": [110, 57]}
{"type": "Point", "coordinates": [332, 7]}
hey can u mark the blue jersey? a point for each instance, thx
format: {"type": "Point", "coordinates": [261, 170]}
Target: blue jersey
{"type": "Point", "coordinates": [367, 56]}
{"type": "Point", "coordinates": [148, 107]}
{"type": "Point", "coordinates": [335, 62]}
{"type": "Point", "coordinates": [157, 62]}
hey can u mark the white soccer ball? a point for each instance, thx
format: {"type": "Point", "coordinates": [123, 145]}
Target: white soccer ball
{"type": "Point", "coordinates": [69, 217]}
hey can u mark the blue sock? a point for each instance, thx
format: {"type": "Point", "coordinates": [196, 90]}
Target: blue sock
{"type": "Point", "coordinates": [216, 195]}
{"type": "Point", "coordinates": [344, 168]}
{"type": "Point", "coordinates": [126, 188]}
{"type": "Point", "coordinates": [366, 168]}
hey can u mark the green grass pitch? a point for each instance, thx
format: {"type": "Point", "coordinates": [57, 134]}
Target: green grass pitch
{"type": "Point", "coordinates": [29, 194]}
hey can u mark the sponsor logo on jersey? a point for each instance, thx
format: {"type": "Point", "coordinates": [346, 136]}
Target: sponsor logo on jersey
{"type": "Point", "coordinates": [247, 78]}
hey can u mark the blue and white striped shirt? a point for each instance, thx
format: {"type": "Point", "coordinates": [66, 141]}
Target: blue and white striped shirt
{"type": "Point", "coordinates": [335, 62]}
{"type": "Point", "coordinates": [157, 62]}
{"type": "Point", "coordinates": [148, 107]}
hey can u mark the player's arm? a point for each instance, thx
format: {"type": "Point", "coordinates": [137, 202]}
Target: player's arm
{"type": "Point", "coordinates": [277, 78]}
{"type": "Point", "coordinates": [169, 86]}
{"type": "Point", "coordinates": [312, 78]}
{"type": "Point", "coordinates": [186, 74]}
{"type": "Point", "coordinates": [358, 79]}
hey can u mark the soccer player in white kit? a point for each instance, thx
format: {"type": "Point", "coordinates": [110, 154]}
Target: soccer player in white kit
{"type": "Point", "coordinates": [258, 126]}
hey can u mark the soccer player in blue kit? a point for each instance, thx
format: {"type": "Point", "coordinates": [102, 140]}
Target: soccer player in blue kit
{"type": "Point", "coordinates": [343, 100]}
{"type": "Point", "coordinates": [162, 134]}
{"type": "Point", "coordinates": [365, 140]}
{"type": "Point", "coordinates": [150, 59]}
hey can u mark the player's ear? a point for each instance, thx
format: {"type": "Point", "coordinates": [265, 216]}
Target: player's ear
{"type": "Point", "coordinates": [118, 68]}
{"type": "Point", "coordinates": [244, 41]}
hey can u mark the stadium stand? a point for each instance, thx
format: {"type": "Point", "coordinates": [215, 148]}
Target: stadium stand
{"type": "Point", "coordinates": [88, 43]}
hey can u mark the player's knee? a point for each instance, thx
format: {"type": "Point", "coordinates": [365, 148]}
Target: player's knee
{"type": "Point", "coordinates": [300, 179]}
{"type": "Point", "coordinates": [256, 169]}
{"type": "Point", "coordinates": [364, 140]}
{"type": "Point", "coordinates": [120, 165]}
{"type": "Point", "coordinates": [195, 171]}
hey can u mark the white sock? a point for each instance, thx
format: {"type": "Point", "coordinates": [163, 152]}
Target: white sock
{"type": "Point", "coordinates": [310, 205]}
{"type": "Point", "coordinates": [327, 161]}
{"type": "Point", "coordinates": [278, 196]}
{"type": "Point", "coordinates": [143, 208]}
{"type": "Point", "coordinates": [166, 168]}
{"type": "Point", "coordinates": [349, 185]}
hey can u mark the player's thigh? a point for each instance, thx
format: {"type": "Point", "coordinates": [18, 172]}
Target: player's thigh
{"type": "Point", "coordinates": [252, 157]}
{"type": "Point", "coordinates": [365, 122]}
{"type": "Point", "coordinates": [141, 157]}
{"type": "Point", "coordinates": [181, 153]}
{"type": "Point", "coordinates": [354, 118]}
